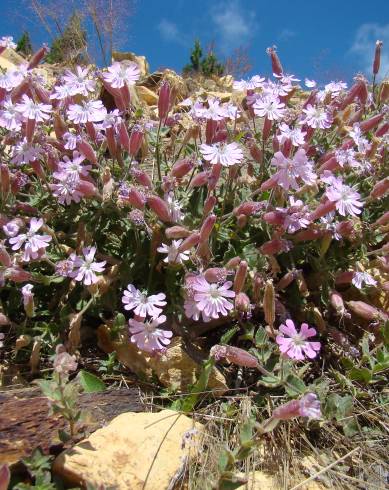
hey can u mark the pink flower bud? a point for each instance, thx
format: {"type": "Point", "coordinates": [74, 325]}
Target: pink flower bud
{"type": "Point", "coordinates": [125, 95]}
{"type": "Point", "coordinates": [209, 204]}
{"type": "Point", "coordinates": [136, 198]}
{"type": "Point", "coordinates": [268, 184]}
{"type": "Point", "coordinates": [181, 168]}
{"type": "Point", "coordinates": [242, 302]}
{"type": "Point", "coordinates": [135, 142]}
{"type": "Point", "coordinates": [142, 177]}
{"type": "Point", "coordinates": [240, 276]}
{"type": "Point", "coordinates": [380, 189]}
{"type": "Point", "coordinates": [210, 131]}
{"type": "Point", "coordinates": [17, 274]}
{"type": "Point", "coordinates": [30, 128]}
{"type": "Point", "coordinates": [88, 189]}
{"type": "Point", "coordinates": [330, 164]}
{"type": "Point", "coordinates": [207, 227]}
{"type": "Point", "coordinates": [371, 123]}
{"type": "Point", "coordinates": [38, 57]}
{"type": "Point", "coordinates": [345, 228]}
{"type": "Point", "coordinates": [307, 406]}
{"type": "Point", "coordinates": [111, 141]}
{"type": "Point", "coordinates": [275, 61]}
{"type": "Point", "coordinates": [4, 178]}
{"type": "Point", "coordinates": [123, 136]}
{"type": "Point", "coordinates": [5, 259]}
{"type": "Point", "coordinates": [85, 148]}
{"type": "Point", "coordinates": [160, 208]}
{"type": "Point", "coordinates": [366, 311]}
{"type": "Point", "coordinates": [344, 277]}
{"type": "Point", "coordinates": [216, 274]}
{"type": "Point", "coordinates": [248, 208]}
{"type": "Point", "coordinates": [164, 101]}
{"type": "Point", "coordinates": [275, 246]}
{"type": "Point", "coordinates": [4, 320]}
{"type": "Point", "coordinates": [323, 209]}
{"type": "Point", "coordinates": [383, 220]}
{"type": "Point", "coordinates": [337, 303]}
{"type": "Point", "coordinates": [200, 179]}
{"type": "Point", "coordinates": [274, 218]}
{"type": "Point", "coordinates": [5, 477]}
{"type": "Point", "coordinates": [257, 288]}
{"type": "Point", "coordinates": [267, 125]}
{"type": "Point", "coordinates": [214, 176]}
{"type": "Point", "coordinates": [64, 362]}
{"type": "Point", "coordinates": [175, 232]}
{"type": "Point", "coordinates": [377, 57]}
{"type": "Point", "coordinates": [189, 242]}
{"type": "Point", "coordinates": [28, 300]}
{"type": "Point", "coordinates": [37, 168]}
{"type": "Point", "coordinates": [307, 235]}
{"type": "Point", "coordinates": [241, 221]}
{"type": "Point", "coordinates": [286, 280]}
{"type": "Point", "coordinates": [235, 355]}
{"type": "Point", "coordinates": [382, 130]}
{"type": "Point", "coordinates": [233, 263]}
{"type": "Point", "coordinates": [255, 152]}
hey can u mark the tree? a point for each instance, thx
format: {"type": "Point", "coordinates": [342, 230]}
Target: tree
{"type": "Point", "coordinates": [71, 45]}
{"type": "Point", "coordinates": [207, 66]}
{"type": "Point", "coordinates": [24, 45]}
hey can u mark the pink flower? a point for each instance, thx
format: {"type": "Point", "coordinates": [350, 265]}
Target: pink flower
{"type": "Point", "coordinates": [28, 299]}
{"type": "Point", "coordinates": [192, 311]}
{"type": "Point", "coordinates": [269, 107]}
{"type": "Point", "coordinates": [310, 83]}
{"type": "Point", "coordinates": [64, 362]}
{"type": "Point", "coordinates": [89, 111]}
{"type": "Point", "coordinates": [142, 304]}
{"type": "Point", "coordinates": [307, 406]}
{"type": "Point", "coordinates": [72, 169]}
{"type": "Point", "coordinates": [347, 199]}
{"type": "Point", "coordinates": [62, 92]}
{"type": "Point", "coordinates": [315, 117]}
{"type": "Point", "coordinates": [147, 336]}
{"type": "Point", "coordinates": [25, 152]}
{"type": "Point", "coordinates": [254, 82]}
{"type": "Point", "coordinates": [214, 111]}
{"type": "Point", "coordinates": [10, 117]}
{"type": "Point", "coordinates": [11, 229]}
{"type": "Point", "coordinates": [292, 170]}
{"type": "Point", "coordinates": [295, 345]}
{"type": "Point", "coordinates": [7, 42]}
{"type": "Point", "coordinates": [33, 110]}
{"type": "Point", "coordinates": [119, 74]}
{"type": "Point", "coordinates": [361, 278]}
{"type": "Point", "coordinates": [173, 256]}
{"type": "Point", "coordinates": [85, 268]}
{"type": "Point", "coordinates": [226, 154]}
{"type": "Point", "coordinates": [211, 298]}
{"type": "Point", "coordinates": [66, 189]}
{"type": "Point", "coordinates": [34, 245]}
{"type": "Point", "coordinates": [294, 134]}
{"type": "Point", "coordinates": [78, 83]}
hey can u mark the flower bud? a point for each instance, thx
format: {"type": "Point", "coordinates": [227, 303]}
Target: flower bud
{"type": "Point", "coordinates": [123, 136]}
{"type": "Point", "coordinates": [111, 141]}
{"type": "Point", "coordinates": [344, 277]}
{"type": "Point", "coordinates": [17, 274]}
{"type": "Point", "coordinates": [275, 61]}
{"type": "Point", "coordinates": [175, 232]}
{"type": "Point", "coordinates": [307, 235]}
{"type": "Point", "coordinates": [345, 228]}
{"type": "Point", "coordinates": [242, 302]}
{"type": "Point", "coordinates": [38, 57]}
{"type": "Point", "coordinates": [268, 184]}
{"type": "Point", "coordinates": [88, 189]}
{"type": "Point", "coordinates": [181, 168]}
{"type": "Point", "coordinates": [136, 198]}
{"type": "Point", "coordinates": [384, 92]}
{"type": "Point", "coordinates": [189, 242]}
{"type": "Point", "coordinates": [274, 218]}
{"type": "Point", "coordinates": [383, 220]}
{"type": "Point", "coordinates": [275, 246]}
{"type": "Point", "coordinates": [216, 274]}
{"type": "Point", "coordinates": [160, 208]}
{"type": "Point", "coordinates": [28, 300]}
{"type": "Point", "coordinates": [371, 123]}
{"type": "Point", "coordinates": [255, 152]}
{"type": "Point", "coordinates": [322, 209]}
{"type": "Point", "coordinates": [209, 204]}
{"type": "Point", "coordinates": [214, 176]}
{"type": "Point", "coordinates": [269, 303]}
{"type": "Point", "coordinates": [234, 355]}
{"type": "Point", "coordinates": [257, 288]}
{"type": "Point", "coordinates": [380, 189]}
{"type": "Point", "coordinates": [135, 141]}
{"type": "Point", "coordinates": [267, 125]}
{"type": "Point", "coordinates": [241, 221]}
{"type": "Point", "coordinates": [337, 303]}
{"type": "Point", "coordinates": [4, 320]}
{"type": "Point", "coordinates": [240, 276]}
{"type": "Point", "coordinates": [382, 130]}
{"type": "Point", "coordinates": [330, 164]}
{"type": "Point", "coordinates": [4, 178]}
{"type": "Point", "coordinates": [286, 280]}
{"type": "Point", "coordinates": [199, 180]}
{"type": "Point", "coordinates": [366, 311]}
{"type": "Point", "coordinates": [233, 263]}
{"type": "Point", "coordinates": [377, 57]}
{"type": "Point", "coordinates": [5, 477]}
{"type": "Point", "coordinates": [307, 406]}
{"type": "Point", "coordinates": [207, 227]}
{"type": "Point", "coordinates": [248, 208]}
{"type": "Point", "coordinates": [164, 101]}
{"type": "Point", "coordinates": [85, 148]}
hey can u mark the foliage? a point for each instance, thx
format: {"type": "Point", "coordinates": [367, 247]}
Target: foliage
{"type": "Point", "coordinates": [71, 45]}
{"type": "Point", "coordinates": [207, 65]}
{"type": "Point", "coordinates": [24, 45]}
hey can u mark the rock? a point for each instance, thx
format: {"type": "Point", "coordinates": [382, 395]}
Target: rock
{"type": "Point", "coordinates": [136, 451]}
{"type": "Point", "coordinates": [226, 81]}
{"type": "Point", "coordinates": [139, 60]}
{"type": "Point", "coordinates": [174, 369]}
{"type": "Point", "coordinates": [222, 96]}
{"type": "Point", "coordinates": [146, 95]}
{"type": "Point", "coordinates": [259, 480]}
{"type": "Point", "coordinates": [10, 59]}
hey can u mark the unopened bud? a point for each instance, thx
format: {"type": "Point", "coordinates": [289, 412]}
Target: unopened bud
{"type": "Point", "coordinates": [189, 242]}
{"type": "Point", "coordinates": [380, 189]}
{"type": "Point", "coordinates": [164, 101]}
{"type": "Point", "coordinates": [242, 302]}
{"type": "Point", "coordinates": [175, 232]}
{"type": "Point", "coordinates": [209, 204]}
{"type": "Point", "coordinates": [207, 227]}
{"type": "Point", "coordinates": [240, 276]}
{"type": "Point", "coordinates": [160, 208]}
{"type": "Point", "coordinates": [242, 221]}
{"type": "Point", "coordinates": [275, 61]}
{"type": "Point", "coordinates": [233, 263]}
{"type": "Point", "coordinates": [235, 355]}
{"type": "Point", "coordinates": [135, 141]}
{"type": "Point", "coordinates": [85, 148]}
{"type": "Point", "coordinates": [377, 57]}
{"type": "Point", "coordinates": [38, 56]}
{"type": "Point", "coordinates": [216, 274]}
{"type": "Point", "coordinates": [366, 311]}
{"type": "Point", "coordinates": [181, 168]}
{"type": "Point", "coordinates": [269, 303]}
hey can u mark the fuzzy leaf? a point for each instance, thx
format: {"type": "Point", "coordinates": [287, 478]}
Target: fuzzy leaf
{"type": "Point", "coordinates": [90, 383]}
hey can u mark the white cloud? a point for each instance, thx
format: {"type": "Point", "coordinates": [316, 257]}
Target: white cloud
{"type": "Point", "coordinates": [364, 46]}
{"type": "Point", "coordinates": [233, 25]}
{"type": "Point", "coordinates": [286, 34]}
{"type": "Point", "coordinates": [170, 32]}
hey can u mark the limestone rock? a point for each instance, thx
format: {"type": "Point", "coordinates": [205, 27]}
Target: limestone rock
{"type": "Point", "coordinates": [136, 451]}
{"type": "Point", "coordinates": [147, 95]}
{"type": "Point", "coordinates": [10, 59]}
{"type": "Point", "coordinates": [139, 60]}
{"type": "Point", "coordinates": [259, 480]}
{"type": "Point", "coordinates": [226, 81]}
{"type": "Point", "coordinates": [174, 369]}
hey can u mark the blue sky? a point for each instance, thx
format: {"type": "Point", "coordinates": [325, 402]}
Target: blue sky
{"type": "Point", "coordinates": [331, 39]}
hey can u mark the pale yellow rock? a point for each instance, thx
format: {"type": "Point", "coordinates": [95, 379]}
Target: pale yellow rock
{"type": "Point", "coordinates": [10, 59]}
{"type": "Point", "coordinates": [259, 480]}
{"type": "Point", "coordinates": [136, 451]}
{"type": "Point", "coordinates": [226, 81]}
{"type": "Point", "coordinates": [147, 95]}
{"type": "Point", "coordinates": [175, 369]}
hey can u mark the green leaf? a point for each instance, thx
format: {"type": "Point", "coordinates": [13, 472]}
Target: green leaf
{"type": "Point", "coordinates": [225, 338]}
{"type": "Point", "coordinates": [364, 375]}
{"type": "Point", "coordinates": [90, 383]}
{"type": "Point", "coordinates": [294, 386]}
{"type": "Point", "coordinates": [226, 460]}
{"type": "Point", "coordinates": [200, 386]}
{"type": "Point", "coordinates": [246, 432]}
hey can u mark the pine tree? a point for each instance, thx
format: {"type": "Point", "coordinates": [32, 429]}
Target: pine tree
{"type": "Point", "coordinates": [198, 64]}
{"type": "Point", "coordinates": [24, 45]}
{"type": "Point", "coordinates": [71, 45]}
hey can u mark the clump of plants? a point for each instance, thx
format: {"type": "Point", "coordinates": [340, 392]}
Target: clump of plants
{"type": "Point", "coordinates": [258, 230]}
